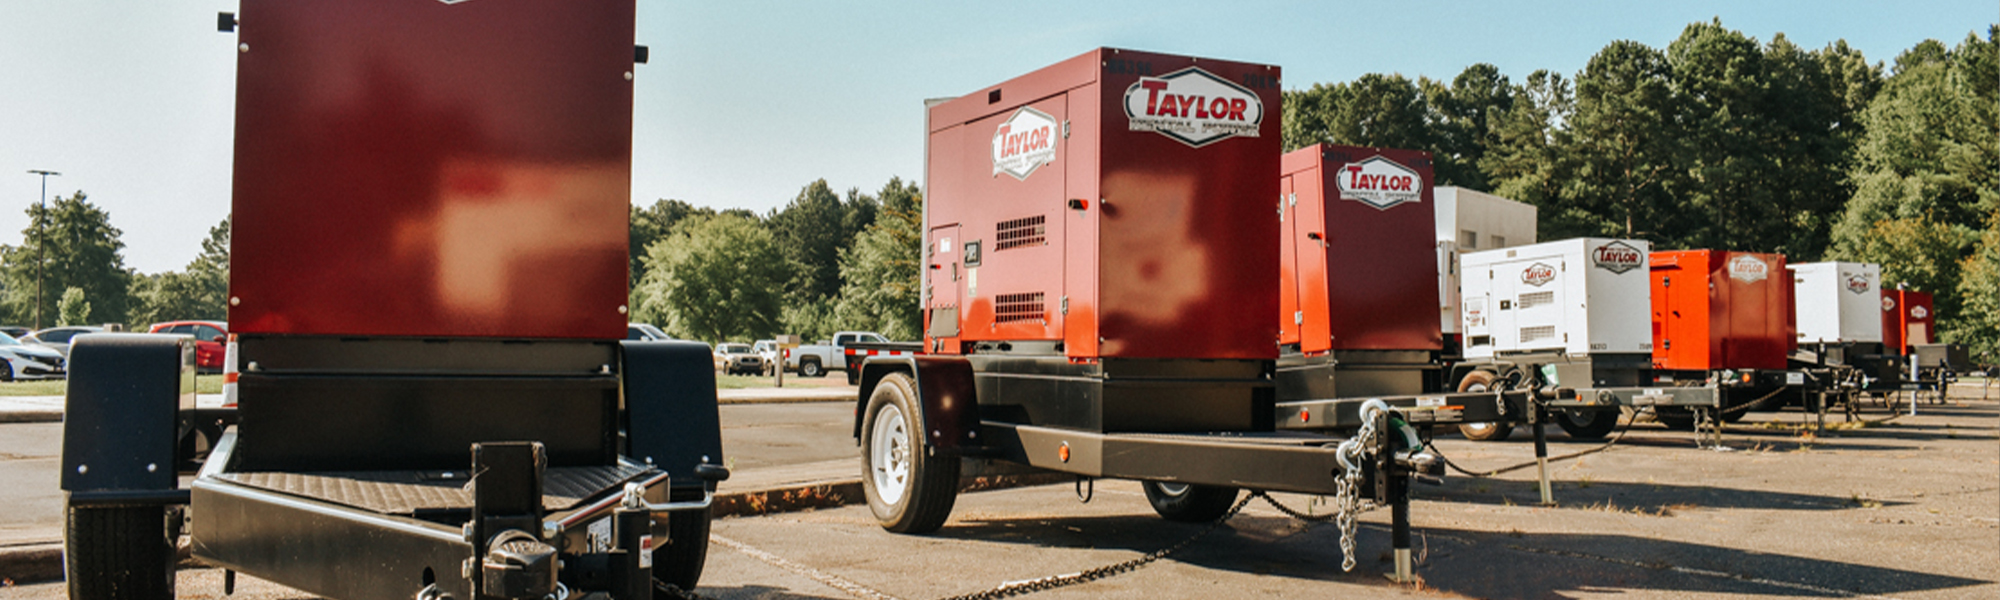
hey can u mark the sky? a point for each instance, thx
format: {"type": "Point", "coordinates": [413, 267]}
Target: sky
{"type": "Point", "coordinates": [745, 102]}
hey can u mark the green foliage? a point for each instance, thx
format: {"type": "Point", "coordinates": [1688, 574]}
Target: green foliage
{"type": "Point", "coordinates": [882, 290]}
{"type": "Point", "coordinates": [1978, 323]}
{"type": "Point", "coordinates": [812, 231]}
{"type": "Point", "coordinates": [83, 251]}
{"type": "Point", "coordinates": [651, 224]}
{"type": "Point", "coordinates": [199, 292]}
{"type": "Point", "coordinates": [715, 279]}
{"type": "Point", "coordinates": [1623, 146]}
{"type": "Point", "coordinates": [811, 320]}
{"type": "Point", "coordinates": [1926, 187]}
{"type": "Point", "coordinates": [72, 309]}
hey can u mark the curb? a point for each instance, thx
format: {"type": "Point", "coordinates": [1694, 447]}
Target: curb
{"type": "Point", "coordinates": [31, 416]}
{"type": "Point", "coordinates": [43, 561]}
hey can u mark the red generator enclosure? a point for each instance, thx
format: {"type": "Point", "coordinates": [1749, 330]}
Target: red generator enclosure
{"type": "Point", "coordinates": [1117, 203]}
{"type": "Point", "coordinates": [433, 169]}
{"type": "Point", "coordinates": [1720, 309]}
{"type": "Point", "coordinates": [1907, 319]}
{"type": "Point", "coordinates": [1358, 262]}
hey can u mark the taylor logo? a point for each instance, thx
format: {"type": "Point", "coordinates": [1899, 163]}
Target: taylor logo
{"type": "Point", "coordinates": [1618, 257]}
{"type": "Point", "coordinates": [1193, 106]}
{"type": "Point", "coordinates": [1858, 284]}
{"type": "Point", "coordinates": [1748, 269]}
{"type": "Point", "coordinates": [1888, 304]}
{"type": "Point", "coordinates": [1023, 143]}
{"type": "Point", "coordinates": [1379, 182]}
{"type": "Point", "coordinates": [1538, 274]}
{"type": "Point", "coordinates": [1918, 312]}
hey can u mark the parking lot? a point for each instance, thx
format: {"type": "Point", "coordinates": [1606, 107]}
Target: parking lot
{"type": "Point", "coordinates": [1902, 508]}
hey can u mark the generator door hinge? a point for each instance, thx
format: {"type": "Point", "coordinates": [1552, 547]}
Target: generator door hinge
{"type": "Point", "coordinates": [1299, 317]}
{"type": "Point", "coordinates": [1065, 130]}
{"type": "Point", "coordinates": [1062, 307]}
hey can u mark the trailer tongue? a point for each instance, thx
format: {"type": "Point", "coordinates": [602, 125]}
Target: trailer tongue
{"type": "Point", "coordinates": [427, 291]}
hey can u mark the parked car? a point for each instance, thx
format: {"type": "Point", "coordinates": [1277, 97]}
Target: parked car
{"type": "Point", "coordinates": [28, 361]}
{"type": "Point", "coordinates": [210, 339]}
{"type": "Point", "coordinates": [15, 330]}
{"type": "Point", "coordinates": [768, 349]}
{"type": "Point", "coordinates": [57, 338]}
{"type": "Point", "coordinates": [736, 359]}
{"type": "Point", "coordinates": [645, 331]}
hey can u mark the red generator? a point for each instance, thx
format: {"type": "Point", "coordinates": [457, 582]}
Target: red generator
{"type": "Point", "coordinates": [427, 302]}
{"type": "Point", "coordinates": [1357, 278]}
{"type": "Point", "coordinates": [1098, 288]}
{"type": "Point", "coordinates": [1907, 320]}
{"type": "Point", "coordinates": [1724, 317]}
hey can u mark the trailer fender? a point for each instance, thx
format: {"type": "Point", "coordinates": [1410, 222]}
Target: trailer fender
{"type": "Point", "coordinates": [950, 401]}
{"type": "Point", "coordinates": [121, 423]}
{"type": "Point", "coordinates": [670, 404]}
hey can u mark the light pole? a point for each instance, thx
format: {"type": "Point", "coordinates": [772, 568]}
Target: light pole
{"type": "Point", "coordinates": [41, 238]}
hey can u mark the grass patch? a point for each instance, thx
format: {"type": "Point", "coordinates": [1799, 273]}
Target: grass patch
{"type": "Point", "coordinates": [203, 384]}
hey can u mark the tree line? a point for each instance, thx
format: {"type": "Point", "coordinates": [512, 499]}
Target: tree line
{"type": "Point", "coordinates": [70, 270]}
{"type": "Point", "coordinates": [1719, 141]}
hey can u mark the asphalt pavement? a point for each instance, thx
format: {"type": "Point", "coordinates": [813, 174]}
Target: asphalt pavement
{"type": "Point", "coordinates": [1907, 508]}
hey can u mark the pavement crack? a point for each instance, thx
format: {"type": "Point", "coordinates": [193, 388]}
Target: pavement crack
{"type": "Point", "coordinates": [830, 580]}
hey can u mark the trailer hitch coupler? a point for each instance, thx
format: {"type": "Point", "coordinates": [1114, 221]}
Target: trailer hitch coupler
{"type": "Point", "coordinates": [518, 566]}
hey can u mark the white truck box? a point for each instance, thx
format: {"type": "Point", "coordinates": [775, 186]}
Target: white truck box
{"type": "Point", "coordinates": [1469, 220]}
{"type": "Point", "coordinates": [1581, 296]}
{"type": "Point", "coordinates": [1837, 301]}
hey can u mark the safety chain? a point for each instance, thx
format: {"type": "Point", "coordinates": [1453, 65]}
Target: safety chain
{"type": "Point", "coordinates": [1347, 487]}
{"type": "Point", "coordinates": [1019, 588]}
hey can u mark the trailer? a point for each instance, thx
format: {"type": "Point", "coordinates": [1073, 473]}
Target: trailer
{"type": "Point", "coordinates": [1840, 352]}
{"type": "Point", "coordinates": [1568, 318]}
{"type": "Point", "coordinates": [428, 298]}
{"type": "Point", "coordinates": [1721, 318]}
{"type": "Point", "coordinates": [1098, 283]}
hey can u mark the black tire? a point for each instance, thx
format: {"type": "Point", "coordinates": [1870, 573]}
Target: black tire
{"type": "Point", "coordinates": [6, 371]}
{"type": "Point", "coordinates": [910, 485]}
{"type": "Point", "coordinates": [118, 552]}
{"type": "Point", "coordinates": [1587, 424]}
{"type": "Point", "coordinates": [681, 560]}
{"type": "Point", "coordinates": [809, 367]}
{"type": "Point", "coordinates": [1482, 381]}
{"type": "Point", "coordinates": [1190, 503]}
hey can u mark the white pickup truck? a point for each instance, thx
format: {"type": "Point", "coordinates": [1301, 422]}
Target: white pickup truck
{"type": "Point", "coordinates": [814, 360]}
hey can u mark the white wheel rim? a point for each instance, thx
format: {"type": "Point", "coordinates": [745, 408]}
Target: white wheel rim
{"type": "Point", "coordinates": [1175, 490]}
{"type": "Point", "coordinates": [889, 454]}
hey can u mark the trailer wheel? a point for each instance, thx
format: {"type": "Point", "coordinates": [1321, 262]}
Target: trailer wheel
{"type": "Point", "coordinates": [681, 560]}
{"type": "Point", "coordinates": [118, 552]}
{"type": "Point", "coordinates": [910, 485]}
{"type": "Point", "coordinates": [1190, 503]}
{"type": "Point", "coordinates": [1482, 381]}
{"type": "Point", "coordinates": [1587, 424]}
{"type": "Point", "coordinates": [809, 367]}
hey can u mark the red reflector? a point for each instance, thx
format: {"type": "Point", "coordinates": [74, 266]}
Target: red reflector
{"type": "Point", "coordinates": [1062, 452]}
{"type": "Point", "coordinates": [1305, 415]}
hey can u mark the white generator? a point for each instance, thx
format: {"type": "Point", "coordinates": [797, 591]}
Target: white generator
{"type": "Point", "coordinates": [1469, 221]}
{"type": "Point", "coordinates": [1837, 302]}
{"type": "Point", "coordinates": [1577, 297]}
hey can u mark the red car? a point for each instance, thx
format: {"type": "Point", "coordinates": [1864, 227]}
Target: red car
{"type": "Point", "coordinates": [209, 337]}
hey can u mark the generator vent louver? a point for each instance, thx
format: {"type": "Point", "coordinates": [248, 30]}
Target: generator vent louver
{"type": "Point", "coordinates": [1009, 308]}
{"type": "Point", "coordinates": [1544, 332]}
{"type": "Point", "coordinates": [1534, 299]}
{"type": "Point", "coordinates": [1030, 231]}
